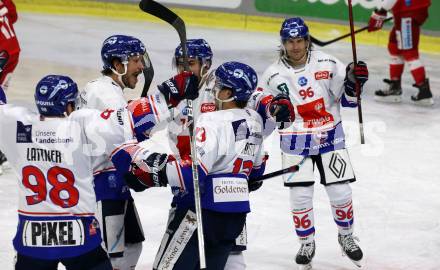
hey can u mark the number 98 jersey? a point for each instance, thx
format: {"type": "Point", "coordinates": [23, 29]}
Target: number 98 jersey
{"type": "Point", "coordinates": [54, 160]}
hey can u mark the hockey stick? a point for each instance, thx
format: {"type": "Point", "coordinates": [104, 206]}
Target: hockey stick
{"type": "Point", "coordinates": [148, 72]}
{"type": "Point", "coordinates": [358, 86]}
{"type": "Point", "coordinates": [163, 13]}
{"type": "Point", "coordinates": [325, 43]}
{"type": "Point", "coordinates": [290, 169]}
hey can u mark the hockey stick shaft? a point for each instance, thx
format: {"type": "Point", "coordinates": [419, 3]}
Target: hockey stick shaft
{"type": "Point", "coordinates": [148, 72]}
{"type": "Point", "coordinates": [163, 13]}
{"type": "Point", "coordinates": [291, 169]}
{"type": "Point", "coordinates": [325, 43]}
{"type": "Point", "coordinates": [358, 86]}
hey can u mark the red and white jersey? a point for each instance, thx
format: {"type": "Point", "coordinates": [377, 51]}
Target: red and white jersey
{"type": "Point", "coordinates": [401, 6]}
{"type": "Point", "coordinates": [8, 16]}
{"type": "Point", "coordinates": [315, 91]}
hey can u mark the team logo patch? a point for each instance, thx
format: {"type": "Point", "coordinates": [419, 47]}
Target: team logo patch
{"type": "Point", "coordinates": [337, 165]}
{"type": "Point", "coordinates": [322, 75]}
{"type": "Point", "coordinates": [302, 81]}
{"type": "Point", "coordinates": [283, 88]}
{"type": "Point", "coordinates": [207, 107]}
{"type": "Point", "coordinates": [24, 133]}
{"type": "Point", "coordinates": [241, 130]}
{"type": "Point", "coordinates": [43, 90]}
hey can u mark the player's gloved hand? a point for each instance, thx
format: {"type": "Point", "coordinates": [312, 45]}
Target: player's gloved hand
{"type": "Point", "coordinates": [376, 20]}
{"type": "Point", "coordinates": [282, 109]}
{"type": "Point", "coordinates": [254, 185]}
{"type": "Point", "coordinates": [2, 96]}
{"type": "Point", "coordinates": [150, 172]}
{"type": "Point", "coordinates": [352, 73]}
{"type": "Point", "coordinates": [184, 85]}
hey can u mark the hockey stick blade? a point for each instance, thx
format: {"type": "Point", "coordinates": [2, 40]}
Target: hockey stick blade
{"type": "Point", "coordinates": [325, 43]}
{"type": "Point", "coordinates": [163, 13]}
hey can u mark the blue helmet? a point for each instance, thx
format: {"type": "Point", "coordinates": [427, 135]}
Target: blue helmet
{"type": "Point", "coordinates": [197, 48]}
{"type": "Point", "coordinates": [120, 47]}
{"type": "Point", "coordinates": [294, 28]}
{"type": "Point", "coordinates": [53, 93]}
{"type": "Point", "coordinates": [239, 77]}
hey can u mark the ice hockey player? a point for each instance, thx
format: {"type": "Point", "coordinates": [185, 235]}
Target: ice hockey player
{"type": "Point", "coordinates": [123, 236]}
{"type": "Point", "coordinates": [200, 61]}
{"type": "Point", "coordinates": [56, 153]}
{"type": "Point", "coordinates": [403, 46]}
{"type": "Point", "coordinates": [56, 198]}
{"type": "Point", "coordinates": [9, 49]}
{"type": "Point", "coordinates": [316, 85]}
{"type": "Point", "coordinates": [229, 151]}
{"type": "Point", "coordinates": [122, 58]}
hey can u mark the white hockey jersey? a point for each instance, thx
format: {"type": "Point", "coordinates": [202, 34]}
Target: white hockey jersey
{"type": "Point", "coordinates": [101, 94]}
{"type": "Point", "coordinates": [316, 91]}
{"type": "Point", "coordinates": [54, 159]}
{"type": "Point", "coordinates": [105, 94]}
{"type": "Point", "coordinates": [229, 148]}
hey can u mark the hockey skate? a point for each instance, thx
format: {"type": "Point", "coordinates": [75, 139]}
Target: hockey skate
{"type": "Point", "coordinates": [351, 249]}
{"type": "Point", "coordinates": [305, 255]}
{"type": "Point", "coordinates": [424, 96]}
{"type": "Point", "coordinates": [392, 95]}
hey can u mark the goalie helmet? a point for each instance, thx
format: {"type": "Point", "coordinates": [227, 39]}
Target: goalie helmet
{"type": "Point", "coordinates": [239, 77]}
{"type": "Point", "coordinates": [294, 28]}
{"type": "Point", "coordinates": [120, 47]}
{"type": "Point", "coordinates": [198, 49]}
{"type": "Point", "coordinates": [53, 93]}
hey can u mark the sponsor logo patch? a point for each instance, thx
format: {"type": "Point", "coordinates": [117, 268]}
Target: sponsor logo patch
{"type": "Point", "coordinates": [322, 75]}
{"type": "Point", "coordinates": [207, 107]}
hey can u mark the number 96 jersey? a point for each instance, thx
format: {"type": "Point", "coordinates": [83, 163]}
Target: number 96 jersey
{"type": "Point", "coordinates": [316, 91]}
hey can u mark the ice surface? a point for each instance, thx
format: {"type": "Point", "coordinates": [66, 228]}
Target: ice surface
{"type": "Point", "coordinates": [396, 197]}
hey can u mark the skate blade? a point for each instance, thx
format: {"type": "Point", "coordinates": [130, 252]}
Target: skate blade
{"type": "Point", "coordinates": [424, 102]}
{"type": "Point", "coordinates": [357, 263]}
{"type": "Point", "coordinates": [388, 99]}
{"type": "Point", "coordinates": [305, 266]}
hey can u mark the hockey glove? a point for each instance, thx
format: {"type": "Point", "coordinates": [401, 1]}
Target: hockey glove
{"type": "Point", "coordinates": [282, 109]}
{"type": "Point", "coordinates": [352, 73]}
{"type": "Point", "coordinates": [254, 185]}
{"type": "Point", "coordinates": [150, 172]}
{"type": "Point", "coordinates": [182, 86]}
{"type": "Point", "coordinates": [376, 20]}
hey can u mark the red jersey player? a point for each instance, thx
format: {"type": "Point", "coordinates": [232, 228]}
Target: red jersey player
{"type": "Point", "coordinates": [9, 48]}
{"type": "Point", "coordinates": [403, 46]}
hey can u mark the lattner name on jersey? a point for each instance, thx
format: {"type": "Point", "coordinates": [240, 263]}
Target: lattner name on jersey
{"type": "Point", "coordinates": [37, 154]}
